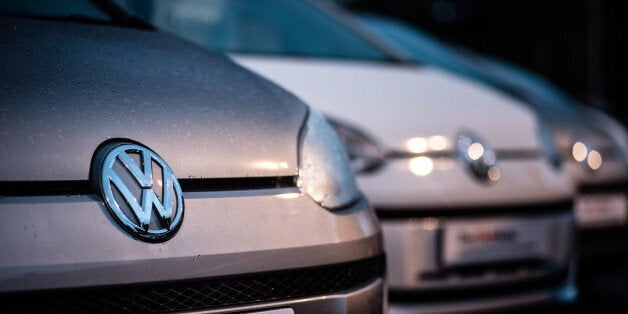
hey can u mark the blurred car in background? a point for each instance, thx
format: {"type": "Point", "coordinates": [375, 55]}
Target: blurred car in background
{"type": "Point", "coordinates": [140, 173]}
{"type": "Point", "coordinates": [593, 144]}
{"type": "Point", "coordinates": [475, 207]}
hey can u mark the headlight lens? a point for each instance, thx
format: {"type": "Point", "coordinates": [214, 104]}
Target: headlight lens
{"type": "Point", "coordinates": [590, 149]}
{"type": "Point", "coordinates": [364, 154]}
{"type": "Point", "coordinates": [324, 172]}
{"type": "Point", "coordinates": [587, 154]}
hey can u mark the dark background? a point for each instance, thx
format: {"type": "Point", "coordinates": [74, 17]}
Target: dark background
{"type": "Point", "coordinates": [577, 44]}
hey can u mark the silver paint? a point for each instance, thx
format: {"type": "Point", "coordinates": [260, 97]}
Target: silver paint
{"type": "Point", "coordinates": [70, 87]}
{"type": "Point", "coordinates": [200, 111]}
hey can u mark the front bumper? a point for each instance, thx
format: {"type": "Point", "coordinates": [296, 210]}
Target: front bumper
{"type": "Point", "coordinates": [602, 218]}
{"type": "Point", "coordinates": [57, 247]}
{"type": "Point", "coordinates": [420, 279]}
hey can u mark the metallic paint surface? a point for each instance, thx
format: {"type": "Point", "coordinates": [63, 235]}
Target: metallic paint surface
{"type": "Point", "coordinates": [70, 87]}
{"type": "Point", "coordinates": [397, 102]}
{"type": "Point", "coordinates": [522, 181]}
{"type": "Point", "coordinates": [202, 113]}
{"type": "Point", "coordinates": [223, 233]}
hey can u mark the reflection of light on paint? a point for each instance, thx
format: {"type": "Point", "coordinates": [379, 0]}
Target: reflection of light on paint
{"type": "Point", "coordinates": [489, 158]}
{"type": "Point", "coordinates": [416, 145]}
{"type": "Point", "coordinates": [430, 223]}
{"type": "Point", "coordinates": [443, 163]}
{"type": "Point", "coordinates": [494, 174]}
{"type": "Point", "coordinates": [159, 182]}
{"type": "Point", "coordinates": [437, 142]}
{"type": "Point", "coordinates": [421, 166]}
{"type": "Point", "coordinates": [287, 195]}
{"type": "Point", "coordinates": [579, 151]}
{"type": "Point", "coordinates": [594, 160]}
{"type": "Point", "coordinates": [271, 165]}
{"type": "Point", "coordinates": [475, 151]}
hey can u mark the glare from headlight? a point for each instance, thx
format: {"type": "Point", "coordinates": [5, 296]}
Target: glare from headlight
{"type": "Point", "coordinates": [416, 145]}
{"type": "Point", "coordinates": [421, 166]}
{"type": "Point", "coordinates": [494, 174]}
{"type": "Point", "coordinates": [579, 151]}
{"type": "Point", "coordinates": [594, 160]}
{"type": "Point", "coordinates": [423, 144]}
{"type": "Point", "coordinates": [586, 155]}
{"type": "Point", "coordinates": [324, 172]}
{"type": "Point", "coordinates": [437, 142]}
{"type": "Point", "coordinates": [475, 151]}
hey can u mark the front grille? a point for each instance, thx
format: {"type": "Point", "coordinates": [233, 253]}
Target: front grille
{"type": "Point", "coordinates": [200, 294]}
{"type": "Point", "coordinates": [83, 187]}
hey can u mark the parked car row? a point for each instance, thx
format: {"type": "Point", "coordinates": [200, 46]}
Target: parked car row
{"type": "Point", "coordinates": [593, 145]}
{"type": "Point", "coordinates": [144, 171]}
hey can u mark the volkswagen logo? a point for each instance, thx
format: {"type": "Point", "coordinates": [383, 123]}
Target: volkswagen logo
{"type": "Point", "coordinates": [139, 189]}
{"type": "Point", "coordinates": [479, 158]}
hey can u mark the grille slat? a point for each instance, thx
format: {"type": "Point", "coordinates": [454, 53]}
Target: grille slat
{"type": "Point", "coordinates": [85, 187]}
{"type": "Point", "coordinates": [200, 294]}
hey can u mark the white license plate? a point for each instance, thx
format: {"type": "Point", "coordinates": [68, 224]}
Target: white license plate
{"type": "Point", "coordinates": [498, 240]}
{"type": "Point", "coordinates": [601, 210]}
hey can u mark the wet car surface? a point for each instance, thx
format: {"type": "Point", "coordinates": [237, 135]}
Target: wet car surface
{"type": "Point", "coordinates": [142, 174]}
{"type": "Point", "coordinates": [461, 176]}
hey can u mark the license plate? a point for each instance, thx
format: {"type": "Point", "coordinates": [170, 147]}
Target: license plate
{"type": "Point", "coordinates": [499, 240]}
{"type": "Point", "coordinates": [600, 210]}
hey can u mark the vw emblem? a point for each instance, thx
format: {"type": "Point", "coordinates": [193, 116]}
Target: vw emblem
{"type": "Point", "coordinates": [139, 189]}
{"type": "Point", "coordinates": [479, 158]}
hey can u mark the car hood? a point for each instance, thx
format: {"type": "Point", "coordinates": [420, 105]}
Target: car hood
{"type": "Point", "coordinates": [68, 87]}
{"type": "Point", "coordinates": [395, 103]}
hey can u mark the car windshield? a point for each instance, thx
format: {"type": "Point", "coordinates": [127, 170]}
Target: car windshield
{"type": "Point", "coordinates": [280, 27]}
{"type": "Point", "coordinates": [54, 9]}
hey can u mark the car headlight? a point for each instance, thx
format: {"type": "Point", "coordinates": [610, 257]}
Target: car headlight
{"type": "Point", "coordinates": [587, 154]}
{"type": "Point", "coordinates": [364, 153]}
{"type": "Point", "coordinates": [324, 172]}
{"type": "Point", "coordinates": [590, 149]}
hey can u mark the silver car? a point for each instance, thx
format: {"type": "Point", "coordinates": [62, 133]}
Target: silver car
{"type": "Point", "coordinates": [139, 173]}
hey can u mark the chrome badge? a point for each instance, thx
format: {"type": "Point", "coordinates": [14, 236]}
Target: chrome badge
{"type": "Point", "coordinates": [126, 172]}
{"type": "Point", "coordinates": [480, 159]}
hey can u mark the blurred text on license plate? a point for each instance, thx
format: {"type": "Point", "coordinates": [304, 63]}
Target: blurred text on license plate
{"type": "Point", "coordinates": [498, 240]}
